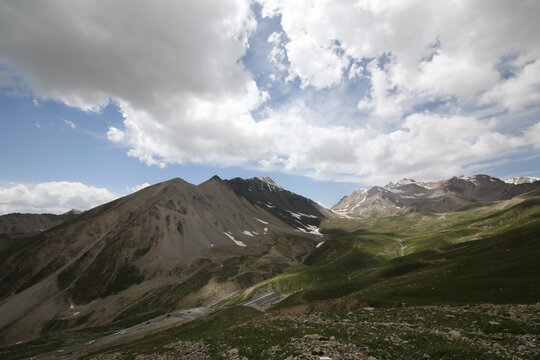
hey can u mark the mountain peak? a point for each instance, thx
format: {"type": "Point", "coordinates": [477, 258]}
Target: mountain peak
{"type": "Point", "coordinates": [401, 182]}
{"type": "Point", "coordinates": [268, 180]}
{"type": "Point", "coordinates": [475, 179]}
{"type": "Point", "coordinates": [434, 197]}
{"type": "Point", "coordinates": [516, 180]}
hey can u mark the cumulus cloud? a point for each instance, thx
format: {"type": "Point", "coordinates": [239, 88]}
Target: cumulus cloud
{"type": "Point", "coordinates": [425, 146]}
{"type": "Point", "coordinates": [176, 73]}
{"type": "Point", "coordinates": [51, 197]}
{"type": "Point", "coordinates": [69, 123]}
{"type": "Point", "coordinates": [384, 101]}
{"type": "Point", "coordinates": [84, 54]}
{"type": "Point", "coordinates": [434, 146]}
{"type": "Point", "coordinates": [115, 135]}
{"type": "Point", "coordinates": [314, 63]}
{"type": "Point", "coordinates": [452, 51]}
{"type": "Point", "coordinates": [517, 92]}
{"type": "Point", "coordinates": [138, 187]}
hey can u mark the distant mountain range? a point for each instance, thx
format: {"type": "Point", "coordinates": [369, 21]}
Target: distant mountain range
{"type": "Point", "coordinates": [436, 197]}
{"type": "Point", "coordinates": [17, 225]}
{"type": "Point", "coordinates": [522, 180]}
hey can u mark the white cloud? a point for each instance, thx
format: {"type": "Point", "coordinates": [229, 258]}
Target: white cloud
{"type": "Point", "coordinates": [69, 123]}
{"type": "Point", "coordinates": [443, 48]}
{"type": "Point", "coordinates": [138, 187]}
{"type": "Point", "coordinates": [533, 135]}
{"type": "Point", "coordinates": [52, 197]}
{"type": "Point", "coordinates": [385, 101]}
{"type": "Point", "coordinates": [175, 72]}
{"type": "Point", "coordinates": [315, 64]}
{"type": "Point", "coordinates": [430, 146]}
{"type": "Point", "coordinates": [115, 135]}
{"type": "Point", "coordinates": [517, 92]}
{"type": "Point", "coordinates": [84, 54]}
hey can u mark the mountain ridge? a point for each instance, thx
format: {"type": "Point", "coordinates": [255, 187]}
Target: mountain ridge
{"type": "Point", "coordinates": [452, 194]}
{"type": "Point", "coordinates": [25, 224]}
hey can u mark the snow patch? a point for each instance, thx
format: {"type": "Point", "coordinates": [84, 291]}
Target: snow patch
{"type": "Point", "coordinates": [320, 244]}
{"type": "Point", "coordinates": [295, 215]}
{"type": "Point", "coordinates": [250, 233]}
{"type": "Point", "coordinates": [521, 180]}
{"type": "Point", "coordinates": [259, 220]}
{"type": "Point", "coordinates": [299, 215]}
{"type": "Point", "coordinates": [343, 213]}
{"type": "Point", "coordinates": [237, 242]}
{"type": "Point", "coordinates": [358, 205]}
{"type": "Point", "coordinates": [311, 229]}
{"type": "Point", "coordinates": [469, 178]}
{"type": "Point", "coordinates": [401, 182]}
{"type": "Point", "coordinates": [272, 186]}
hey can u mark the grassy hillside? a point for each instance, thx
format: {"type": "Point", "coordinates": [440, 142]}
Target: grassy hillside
{"type": "Point", "coordinates": [487, 254]}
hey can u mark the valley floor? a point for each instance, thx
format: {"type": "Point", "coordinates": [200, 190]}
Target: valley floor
{"type": "Point", "coordinates": [342, 329]}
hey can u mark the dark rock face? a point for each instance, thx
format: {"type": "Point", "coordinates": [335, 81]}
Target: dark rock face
{"type": "Point", "coordinates": [293, 209]}
{"type": "Point", "coordinates": [477, 188]}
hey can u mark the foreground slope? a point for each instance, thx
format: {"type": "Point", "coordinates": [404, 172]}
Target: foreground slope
{"type": "Point", "coordinates": [169, 245]}
{"type": "Point", "coordinates": [347, 330]}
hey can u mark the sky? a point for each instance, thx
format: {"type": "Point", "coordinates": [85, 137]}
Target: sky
{"type": "Point", "coordinates": [101, 98]}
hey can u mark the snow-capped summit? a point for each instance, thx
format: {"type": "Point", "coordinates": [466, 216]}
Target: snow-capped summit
{"type": "Point", "coordinates": [521, 180]}
{"type": "Point", "coordinates": [272, 186]}
{"type": "Point", "coordinates": [401, 182]}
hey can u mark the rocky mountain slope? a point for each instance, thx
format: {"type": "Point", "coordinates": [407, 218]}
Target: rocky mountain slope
{"type": "Point", "coordinates": [295, 210]}
{"type": "Point", "coordinates": [17, 225]}
{"type": "Point", "coordinates": [436, 197]}
{"type": "Point", "coordinates": [168, 244]}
